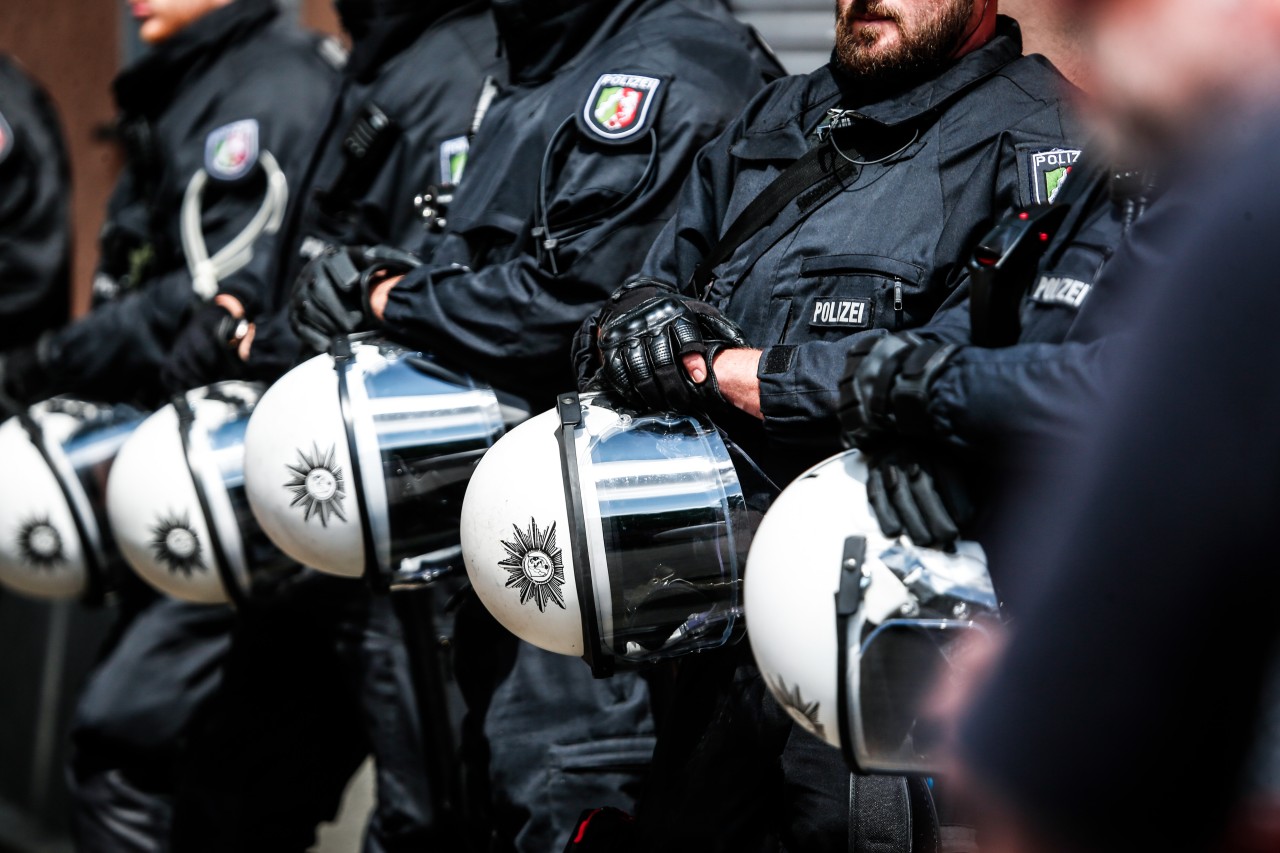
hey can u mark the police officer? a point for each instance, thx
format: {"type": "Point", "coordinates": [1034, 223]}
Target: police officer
{"type": "Point", "coordinates": [393, 149]}
{"type": "Point", "coordinates": [572, 171]}
{"type": "Point", "coordinates": [211, 157]}
{"type": "Point", "coordinates": [398, 129]}
{"type": "Point", "coordinates": [35, 226]}
{"type": "Point", "coordinates": [954, 414]}
{"type": "Point", "coordinates": [214, 119]}
{"type": "Point", "coordinates": [840, 202]}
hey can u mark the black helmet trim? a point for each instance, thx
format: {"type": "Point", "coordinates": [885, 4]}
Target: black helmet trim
{"type": "Point", "coordinates": [95, 557]}
{"type": "Point", "coordinates": [235, 589]}
{"type": "Point", "coordinates": [569, 408]}
{"type": "Point", "coordinates": [343, 360]}
{"type": "Point", "coordinates": [848, 602]}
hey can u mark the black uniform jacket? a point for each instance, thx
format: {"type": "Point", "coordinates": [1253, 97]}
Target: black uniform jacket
{"type": "Point", "coordinates": [35, 197]}
{"type": "Point", "coordinates": [430, 88]}
{"type": "Point", "coordinates": [234, 84]}
{"type": "Point", "coordinates": [1036, 396]}
{"type": "Point", "coordinates": [884, 252]}
{"type": "Point", "coordinates": [573, 172]}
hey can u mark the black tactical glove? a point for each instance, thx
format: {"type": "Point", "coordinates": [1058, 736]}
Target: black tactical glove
{"type": "Point", "coordinates": [331, 297]}
{"type": "Point", "coordinates": [205, 350]}
{"type": "Point", "coordinates": [885, 387]}
{"type": "Point", "coordinates": [915, 494]}
{"type": "Point", "coordinates": [645, 330]}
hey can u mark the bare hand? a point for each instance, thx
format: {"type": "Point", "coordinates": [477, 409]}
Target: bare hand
{"type": "Point", "coordinates": [736, 373]}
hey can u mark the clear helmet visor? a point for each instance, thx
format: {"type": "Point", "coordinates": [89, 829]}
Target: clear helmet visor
{"type": "Point", "coordinates": [416, 431]}
{"type": "Point", "coordinates": [901, 632]}
{"type": "Point", "coordinates": [666, 531]}
{"type": "Point", "coordinates": [896, 680]}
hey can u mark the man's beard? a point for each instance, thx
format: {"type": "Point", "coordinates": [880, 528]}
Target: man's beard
{"type": "Point", "coordinates": [919, 53]}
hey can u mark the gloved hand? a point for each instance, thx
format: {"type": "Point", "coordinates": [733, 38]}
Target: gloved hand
{"type": "Point", "coordinates": [25, 378]}
{"type": "Point", "coordinates": [885, 387]}
{"type": "Point", "coordinates": [646, 328]}
{"type": "Point", "coordinates": [331, 297]}
{"type": "Point", "coordinates": [205, 350]}
{"type": "Point", "coordinates": [921, 496]}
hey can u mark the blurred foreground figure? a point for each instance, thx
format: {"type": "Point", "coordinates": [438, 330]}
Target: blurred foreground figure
{"type": "Point", "coordinates": [35, 229]}
{"type": "Point", "coordinates": [1130, 710]}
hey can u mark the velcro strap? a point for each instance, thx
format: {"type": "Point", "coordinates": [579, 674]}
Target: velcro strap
{"type": "Point", "coordinates": [911, 388]}
{"type": "Point", "coordinates": [879, 814]}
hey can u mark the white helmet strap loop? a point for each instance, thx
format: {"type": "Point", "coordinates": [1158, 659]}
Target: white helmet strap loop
{"type": "Point", "coordinates": [186, 419]}
{"type": "Point", "coordinates": [207, 272]}
{"type": "Point", "coordinates": [569, 408]}
{"type": "Point", "coordinates": [95, 557]}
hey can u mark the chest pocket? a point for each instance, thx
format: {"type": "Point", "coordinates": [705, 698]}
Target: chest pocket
{"type": "Point", "coordinates": [840, 295]}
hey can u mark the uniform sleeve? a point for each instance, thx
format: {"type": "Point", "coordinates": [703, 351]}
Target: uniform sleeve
{"type": "Point", "coordinates": [115, 352]}
{"type": "Point", "coordinates": [35, 231]}
{"type": "Point", "coordinates": [798, 384]}
{"type": "Point", "coordinates": [1017, 394]}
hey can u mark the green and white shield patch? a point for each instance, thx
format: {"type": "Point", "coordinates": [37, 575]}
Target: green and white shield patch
{"type": "Point", "coordinates": [1049, 169]}
{"type": "Point", "coordinates": [453, 160]}
{"type": "Point", "coordinates": [620, 105]}
{"type": "Point", "coordinates": [231, 151]}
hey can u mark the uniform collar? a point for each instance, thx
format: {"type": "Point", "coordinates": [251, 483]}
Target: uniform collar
{"type": "Point", "coordinates": [829, 87]}
{"type": "Point", "coordinates": [380, 29]}
{"type": "Point", "coordinates": [542, 36]}
{"type": "Point", "coordinates": [151, 83]}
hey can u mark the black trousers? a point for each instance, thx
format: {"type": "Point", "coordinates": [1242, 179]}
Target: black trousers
{"type": "Point", "coordinates": [133, 720]}
{"type": "Point", "coordinates": [318, 680]}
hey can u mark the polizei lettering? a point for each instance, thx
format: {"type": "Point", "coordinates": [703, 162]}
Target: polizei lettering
{"type": "Point", "coordinates": [629, 81]}
{"type": "Point", "coordinates": [835, 313]}
{"type": "Point", "coordinates": [1056, 290]}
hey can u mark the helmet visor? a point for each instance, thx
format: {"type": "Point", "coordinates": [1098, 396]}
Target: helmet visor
{"type": "Point", "coordinates": [894, 678]}
{"type": "Point", "coordinates": [419, 431]}
{"type": "Point", "coordinates": [668, 532]}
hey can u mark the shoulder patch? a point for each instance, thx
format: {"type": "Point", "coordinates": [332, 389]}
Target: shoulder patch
{"type": "Point", "coordinates": [6, 139]}
{"type": "Point", "coordinates": [453, 160]}
{"type": "Point", "coordinates": [1047, 169]}
{"type": "Point", "coordinates": [231, 151]}
{"type": "Point", "coordinates": [621, 106]}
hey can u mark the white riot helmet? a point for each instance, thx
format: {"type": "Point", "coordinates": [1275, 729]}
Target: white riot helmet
{"type": "Point", "coordinates": [356, 461]}
{"type": "Point", "coordinates": [176, 500]}
{"type": "Point", "coordinates": [852, 630]}
{"type": "Point", "coordinates": [591, 532]}
{"type": "Point", "coordinates": [54, 540]}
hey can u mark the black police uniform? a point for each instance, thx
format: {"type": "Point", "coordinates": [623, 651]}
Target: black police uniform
{"type": "Point", "coordinates": [233, 85]}
{"type": "Point", "coordinates": [215, 98]}
{"type": "Point", "coordinates": [1128, 701]}
{"type": "Point", "coordinates": [574, 169]}
{"type": "Point", "coordinates": [560, 204]}
{"type": "Point", "coordinates": [35, 224]}
{"type": "Point", "coordinates": [892, 242]}
{"type": "Point", "coordinates": [398, 125]}
{"type": "Point", "coordinates": [1008, 399]}
{"type": "Point", "coordinates": [881, 249]}
{"type": "Point", "coordinates": [385, 182]}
